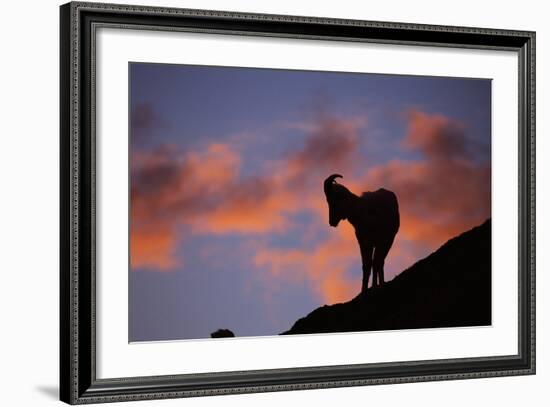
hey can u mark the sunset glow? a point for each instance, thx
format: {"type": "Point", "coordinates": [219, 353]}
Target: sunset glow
{"type": "Point", "coordinates": [229, 223]}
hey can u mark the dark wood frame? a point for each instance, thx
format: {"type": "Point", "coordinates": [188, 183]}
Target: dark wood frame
{"type": "Point", "coordinates": [78, 382]}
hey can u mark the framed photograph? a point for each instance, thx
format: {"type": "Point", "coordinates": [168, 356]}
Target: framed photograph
{"type": "Point", "coordinates": [254, 203]}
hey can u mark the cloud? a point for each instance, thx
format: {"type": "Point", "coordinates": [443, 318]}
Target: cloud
{"type": "Point", "coordinates": [441, 194]}
{"type": "Point", "coordinates": [145, 117]}
{"type": "Point", "coordinates": [153, 248]}
{"type": "Point", "coordinates": [205, 191]}
{"type": "Point", "coordinates": [254, 205]}
{"type": "Point", "coordinates": [444, 193]}
{"type": "Point", "coordinates": [437, 136]}
{"type": "Point", "coordinates": [145, 120]}
{"type": "Point", "coordinates": [330, 145]}
{"type": "Point", "coordinates": [168, 187]}
{"type": "Point", "coordinates": [177, 194]}
{"type": "Point", "coordinates": [267, 202]}
{"type": "Point", "coordinates": [324, 266]}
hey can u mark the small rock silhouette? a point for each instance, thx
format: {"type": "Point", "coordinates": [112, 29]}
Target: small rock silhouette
{"type": "Point", "coordinates": [222, 333]}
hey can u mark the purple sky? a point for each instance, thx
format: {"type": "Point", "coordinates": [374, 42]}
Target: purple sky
{"type": "Point", "coordinates": [229, 225]}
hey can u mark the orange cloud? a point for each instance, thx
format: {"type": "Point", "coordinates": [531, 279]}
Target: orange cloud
{"type": "Point", "coordinates": [253, 205]}
{"type": "Point", "coordinates": [336, 289]}
{"type": "Point", "coordinates": [437, 136]}
{"type": "Point", "coordinates": [166, 187]}
{"type": "Point", "coordinates": [442, 193]}
{"type": "Point", "coordinates": [205, 191]}
{"type": "Point", "coordinates": [324, 266]}
{"type": "Point", "coordinates": [446, 192]}
{"type": "Point", "coordinates": [154, 249]}
{"type": "Point", "coordinates": [266, 204]}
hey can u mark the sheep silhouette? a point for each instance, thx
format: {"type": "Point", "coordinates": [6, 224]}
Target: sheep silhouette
{"type": "Point", "coordinates": [375, 218]}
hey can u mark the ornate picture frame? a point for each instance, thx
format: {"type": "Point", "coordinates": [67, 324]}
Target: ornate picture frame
{"type": "Point", "coordinates": [79, 351]}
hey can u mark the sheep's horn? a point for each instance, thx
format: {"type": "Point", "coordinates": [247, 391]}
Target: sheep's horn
{"type": "Point", "coordinates": [329, 181]}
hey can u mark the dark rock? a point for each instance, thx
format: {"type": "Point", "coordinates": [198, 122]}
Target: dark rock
{"type": "Point", "coordinates": [222, 333]}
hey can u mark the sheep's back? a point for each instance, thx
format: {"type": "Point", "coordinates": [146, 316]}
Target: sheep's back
{"type": "Point", "coordinates": [382, 208]}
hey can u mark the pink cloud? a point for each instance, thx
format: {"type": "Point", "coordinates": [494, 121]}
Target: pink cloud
{"type": "Point", "coordinates": [447, 191]}
{"type": "Point", "coordinates": [205, 191]}
{"type": "Point", "coordinates": [165, 185]}
{"type": "Point", "coordinates": [324, 266]}
{"type": "Point", "coordinates": [441, 194]}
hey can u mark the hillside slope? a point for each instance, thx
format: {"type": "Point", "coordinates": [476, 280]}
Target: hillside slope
{"type": "Point", "coordinates": [449, 288]}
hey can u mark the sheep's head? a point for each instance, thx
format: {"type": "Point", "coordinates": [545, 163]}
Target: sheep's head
{"type": "Point", "coordinates": [334, 193]}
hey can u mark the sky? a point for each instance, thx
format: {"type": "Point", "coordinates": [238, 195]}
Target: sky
{"type": "Point", "coordinates": [228, 219]}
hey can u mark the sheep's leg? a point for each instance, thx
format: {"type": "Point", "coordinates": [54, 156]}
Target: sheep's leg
{"type": "Point", "coordinates": [376, 281]}
{"type": "Point", "coordinates": [366, 258]}
{"type": "Point", "coordinates": [377, 270]}
{"type": "Point", "coordinates": [379, 257]}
